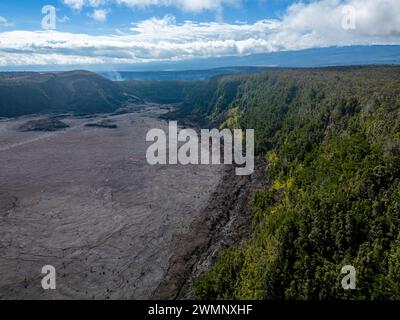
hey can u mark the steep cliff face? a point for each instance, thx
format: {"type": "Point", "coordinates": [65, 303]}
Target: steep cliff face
{"type": "Point", "coordinates": [77, 91]}
{"type": "Point", "coordinates": [331, 139]}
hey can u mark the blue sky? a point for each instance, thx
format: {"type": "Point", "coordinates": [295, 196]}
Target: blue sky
{"type": "Point", "coordinates": [125, 32]}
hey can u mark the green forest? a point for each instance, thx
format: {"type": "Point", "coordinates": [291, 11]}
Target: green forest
{"type": "Point", "coordinates": [330, 138]}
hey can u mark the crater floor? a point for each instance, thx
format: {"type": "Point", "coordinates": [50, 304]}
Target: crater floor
{"type": "Point", "coordinates": [85, 201]}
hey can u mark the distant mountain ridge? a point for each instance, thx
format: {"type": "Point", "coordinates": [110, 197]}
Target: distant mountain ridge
{"type": "Point", "coordinates": [317, 57]}
{"type": "Point", "coordinates": [311, 58]}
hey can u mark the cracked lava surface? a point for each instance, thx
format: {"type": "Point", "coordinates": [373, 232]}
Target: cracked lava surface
{"type": "Point", "coordinates": [85, 201]}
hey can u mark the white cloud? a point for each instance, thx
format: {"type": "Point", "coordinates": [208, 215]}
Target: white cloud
{"type": "Point", "coordinates": [4, 22]}
{"type": "Point", "coordinates": [75, 4]}
{"type": "Point", "coordinates": [96, 3]}
{"type": "Point", "coordinates": [99, 15]}
{"type": "Point", "coordinates": [317, 24]}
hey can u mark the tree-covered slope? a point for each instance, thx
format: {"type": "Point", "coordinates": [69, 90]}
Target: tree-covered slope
{"type": "Point", "coordinates": [163, 92]}
{"type": "Point", "coordinates": [331, 140]}
{"type": "Point", "coordinates": [78, 91]}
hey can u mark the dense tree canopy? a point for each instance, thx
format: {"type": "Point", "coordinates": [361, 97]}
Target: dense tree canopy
{"type": "Point", "coordinates": [331, 139]}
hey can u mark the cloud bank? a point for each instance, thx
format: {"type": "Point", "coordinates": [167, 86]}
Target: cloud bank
{"type": "Point", "coordinates": [303, 26]}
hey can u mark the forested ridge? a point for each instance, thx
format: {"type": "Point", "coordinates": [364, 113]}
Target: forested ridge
{"type": "Point", "coordinates": [331, 140]}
